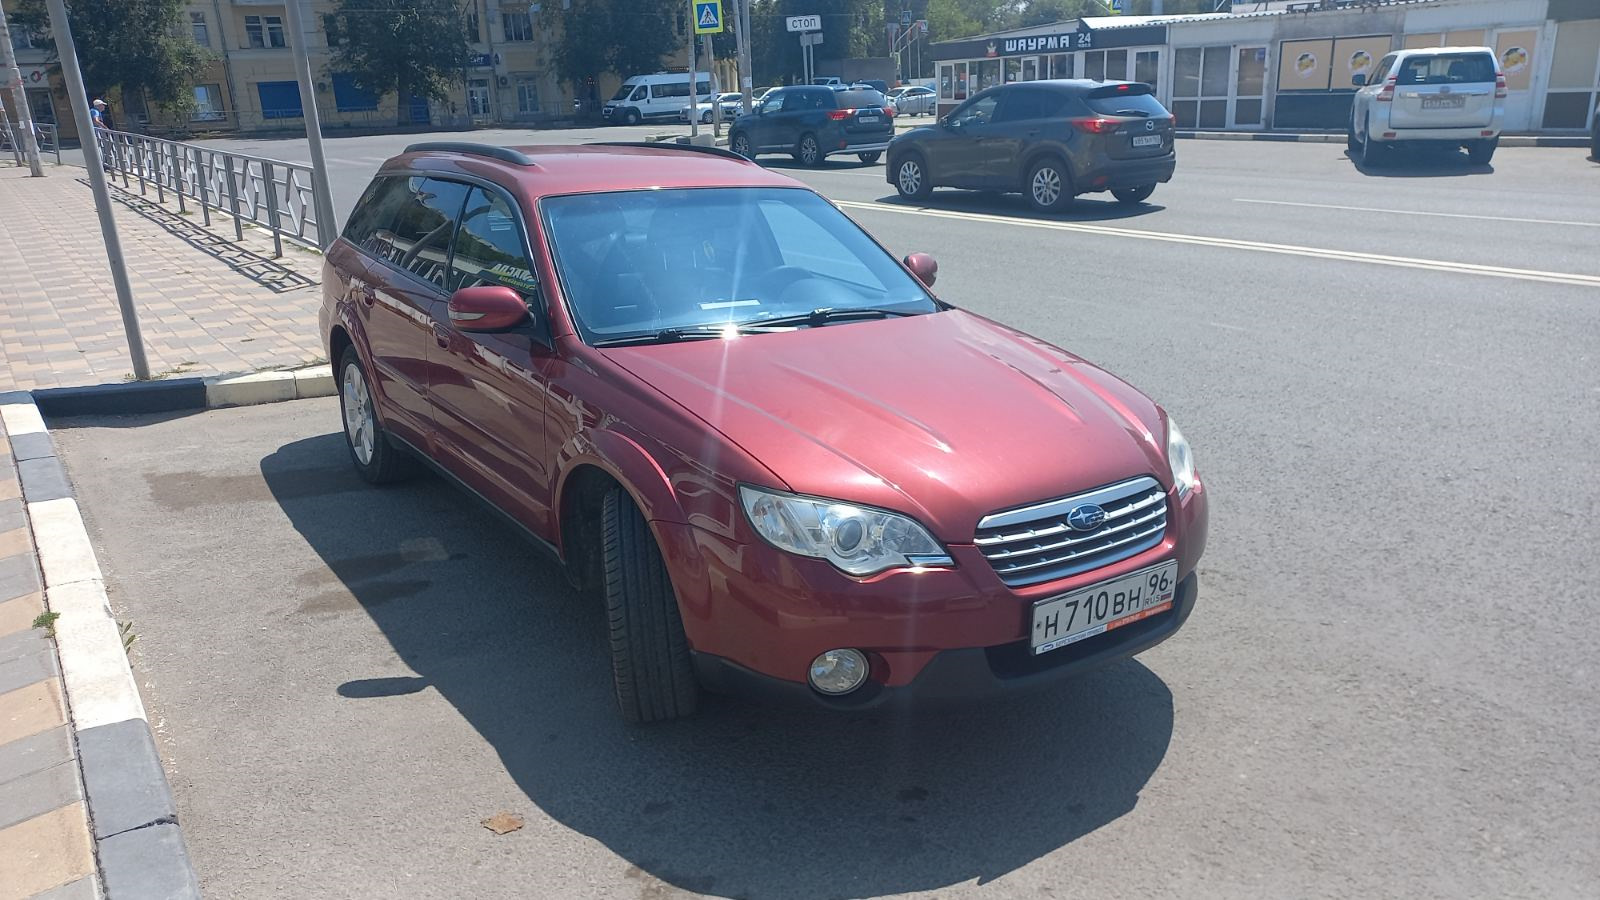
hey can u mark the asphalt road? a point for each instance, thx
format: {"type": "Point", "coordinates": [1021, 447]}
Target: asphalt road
{"type": "Point", "coordinates": [1388, 688]}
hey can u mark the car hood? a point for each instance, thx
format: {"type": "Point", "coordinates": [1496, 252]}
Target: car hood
{"type": "Point", "coordinates": [946, 417]}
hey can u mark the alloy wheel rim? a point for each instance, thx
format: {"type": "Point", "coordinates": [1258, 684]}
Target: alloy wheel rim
{"type": "Point", "coordinates": [1046, 186]}
{"type": "Point", "coordinates": [910, 177]}
{"type": "Point", "coordinates": [808, 150]}
{"type": "Point", "coordinates": [359, 426]}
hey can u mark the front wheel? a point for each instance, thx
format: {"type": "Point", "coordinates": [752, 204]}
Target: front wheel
{"type": "Point", "coordinates": [911, 179]}
{"type": "Point", "coordinates": [1480, 152]}
{"type": "Point", "coordinates": [869, 158]}
{"type": "Point", "coordinates": [1130, 196]}
{"type": "Point", "coordinates": [376, 460]}
{"type": "Point", "coordinates": [650, 665]}
{"type": "Point", "coordinates": [808, 152]}
{"type": "Point", "coordinates": [740, 144]}
{"type": "Point", "coordinates": [630, 117]}
{"type": "Point", "coordinates": [1049, 187]}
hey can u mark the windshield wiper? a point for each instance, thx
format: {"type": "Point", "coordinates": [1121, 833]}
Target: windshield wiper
{"type": "Point", "coordinates": [827, 314]}
{"type": "Point", "coordinates": [1132, 112]}
{"type": "Point", "coordinates": [665, 336]}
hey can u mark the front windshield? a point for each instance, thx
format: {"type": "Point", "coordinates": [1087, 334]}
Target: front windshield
{"type": "Point", "coordinates": [623, 92]}
{"type": "Point", "coordinates": [640, 262]}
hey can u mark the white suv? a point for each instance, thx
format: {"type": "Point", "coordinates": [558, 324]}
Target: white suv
{"type": "Point", "coordinates": [1446, 95]}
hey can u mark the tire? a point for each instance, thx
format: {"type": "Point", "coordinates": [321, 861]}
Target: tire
{"type": "Point", "coordinates": [375, 458]}
{"type": "Point", "coordinates": [1049, 185]}
{"type": "Point", "coordinates": [870, 158]}
{"type": "Point", "coordinates": [1134, 195]}
{"type": "Point", "coordinates": [1370, 156]}
{"type": "Point", "coordinates": [1350, 142]}
{"type": "Point", "coordinates": [808, 152]}
{"type": "Point", "coordinates": [630, 116]}
{"type": "Point", "coordinates": [1480, 152]}
{"type": "Point", "coordinates": [650, 665]}
{"type": "Point", "coordinates": [740, 144]}
{"type": "Point", "coordinates": [911, 178]}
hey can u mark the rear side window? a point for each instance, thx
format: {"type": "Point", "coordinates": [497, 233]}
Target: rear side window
{"type": "Point", "coordinates": [1447, 68]}
{"type": "Point", "coordinates": [375, 210]}
{"type": "Point", "coordinates": [490, 247]}
{"type": "Point", "coordinates": [859, 99]}
{"type": "Point", "coordinates": [1127, 105]}
{"type": "Point", "coordinates": [804, 99]}
{"type": "Point", "coordinates": [1024, 104]}
{"type": "Point", "coordinates": [419, 238]}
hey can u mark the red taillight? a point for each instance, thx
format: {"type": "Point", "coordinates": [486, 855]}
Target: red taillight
{"type": "Point", "coordinates": [1387, 94]}
{"type": "Point", "coordinates": [839, 115]}
{"type": "Point", "coordinates": [1499, 87]}
{"type": "Point", "coordinates": [1095, 126]}
{"type": "Point", "coordinates": [888, 111]}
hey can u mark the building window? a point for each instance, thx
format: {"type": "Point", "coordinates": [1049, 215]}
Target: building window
{"type": "Point", "coordinates": [518, 25]}
{"type": "Point", "coordinates": [332, 29]}
{"type": "Point", "coordinates": [22, 38]}
{"type": "Point", "coordinates": [527, 96]}
{"type": "Point", "coordinates": [208, 103]}
{"type": "Point", "coordinates": [197, 26]}
{"type": "Point", "coordinates": [351, 97]}
{"type": "Point", "coordinates": [279, 99]}
{"type": "Point", "coordinates": [264, 31]}
{"type": "Point", "coordinates": [1574, 76]}
{"type": "Point", "coordinates": [473, 29]}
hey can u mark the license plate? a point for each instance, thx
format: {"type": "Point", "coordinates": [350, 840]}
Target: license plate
{"type": "Point", "coordinates": [867, 120]}
{"type": "Point", "coordinates": [1147, 140]}
{"type": "Point", "coordinates": [1102, 607]}
{"type": "Point", "coordinates": [1443, 102]}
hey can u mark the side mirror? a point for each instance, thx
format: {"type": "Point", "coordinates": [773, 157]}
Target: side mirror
{"type": "Point", "coordinates": [951, 122]}
{"type": "Point", "coordinates": [489, 307]}
{"type": "Point", "coordinates": [924, 267]}
{"type": "Point", "coordinates": [1358, 79]}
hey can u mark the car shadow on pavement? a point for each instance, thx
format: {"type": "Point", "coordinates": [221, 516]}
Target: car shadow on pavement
{"type": "Point", "coordinates": [1015, 206]}
{"type": "Point", "coordinates": [1421, 162]}
{"type": "Point", "coordinates": [741, 800]}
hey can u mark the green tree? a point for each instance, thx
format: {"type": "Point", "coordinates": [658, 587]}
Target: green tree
{"type": "Point", "coordinates": [142, 47]}
{"type": "Point", "coordinates": [627, 37]}
{"type": "Point", "coordinates": [404, 47]}
{"type": "Point", "coordinates": [1045, 12]}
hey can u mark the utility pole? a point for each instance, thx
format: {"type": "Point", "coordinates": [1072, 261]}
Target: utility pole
{"type": "Point", "coordinates": [746, 76]}
{"type": "Point", "coordinates": [694, 108]}
{"type": "Point", "coordinates": [11, 75]}
{"type": "Point", "coordinates": [327, 222]}
{"type": "Point", "coordinates": [67, 50]}
{"type": "Point", "coordinates": [716, 88]}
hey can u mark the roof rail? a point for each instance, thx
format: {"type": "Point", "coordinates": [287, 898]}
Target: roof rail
{"type": "Point", "coordinates": [723, 152]}
{"type": "Point", "coordinates": [504, 154]}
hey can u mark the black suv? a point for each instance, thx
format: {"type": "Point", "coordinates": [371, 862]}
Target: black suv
{"type": "Point", "coordinates": [1049, 140]}
{"type": "Point", "coordinates": [814, 123]}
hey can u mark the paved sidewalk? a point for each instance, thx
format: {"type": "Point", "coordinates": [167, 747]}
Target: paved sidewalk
{"type": "Point", "coordinates": [207, 305]}
{"type": "Point", "coordinates": [45, 843]}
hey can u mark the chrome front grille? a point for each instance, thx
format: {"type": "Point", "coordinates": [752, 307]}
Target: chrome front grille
{"type": "Point", "coordinates": [1036, 543]}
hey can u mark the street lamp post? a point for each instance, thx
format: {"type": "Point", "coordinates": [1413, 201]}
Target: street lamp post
{"type": "Point", "coordinates": [61, 28]}
{"type": "Point", "coordinates": [11, 75]}
{"type": "Point", "coordinates": [327, 225]}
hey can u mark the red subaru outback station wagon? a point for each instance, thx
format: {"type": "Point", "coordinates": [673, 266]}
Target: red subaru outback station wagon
{"type": "Point", "coordinates": [780, 461]}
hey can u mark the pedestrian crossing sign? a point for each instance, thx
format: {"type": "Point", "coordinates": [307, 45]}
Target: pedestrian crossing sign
{"type": "Point", "coordinates": [707, 16]}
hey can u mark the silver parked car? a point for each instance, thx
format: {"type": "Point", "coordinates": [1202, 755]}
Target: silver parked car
{"type": "Point", "coordinates": [1450, 96]}
{"type": "Point", "coordinates": [731, 107]}
{"type": "Point", "coordinates": [913, 100]}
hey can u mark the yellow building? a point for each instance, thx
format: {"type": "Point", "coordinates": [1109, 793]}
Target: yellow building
{"type": "Point", "coordinates": [508, 79]}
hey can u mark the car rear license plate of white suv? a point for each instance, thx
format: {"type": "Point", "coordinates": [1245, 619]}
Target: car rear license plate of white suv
{"type": "Point", "coordinates": [1102, 607]}
{"type": "Point", "coordinates": [1147, 140]}
{"type": "Point", "coordinates": [1443, 102]}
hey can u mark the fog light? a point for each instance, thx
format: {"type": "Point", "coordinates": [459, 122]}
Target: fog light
{"type": "Point", "coordinates": [838, 671]}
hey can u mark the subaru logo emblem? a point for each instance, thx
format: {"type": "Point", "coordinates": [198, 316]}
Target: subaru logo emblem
{"type": "Point", "coordinates": [1086, 517]}
{"type": "Point", "coordinates": [1149, 126]}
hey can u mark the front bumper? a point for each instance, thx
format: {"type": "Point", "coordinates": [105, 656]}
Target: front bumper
{"type": "Point", "coordinates": [968, 674]}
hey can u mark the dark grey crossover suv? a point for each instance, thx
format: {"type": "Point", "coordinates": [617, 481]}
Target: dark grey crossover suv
{"type": "Point", "coordinates": [1049, 140]}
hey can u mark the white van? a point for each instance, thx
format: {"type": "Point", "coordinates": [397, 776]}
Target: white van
{"type": "Point", "coordinates": [654, 97]}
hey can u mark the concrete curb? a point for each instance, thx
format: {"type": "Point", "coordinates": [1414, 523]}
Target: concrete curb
{"type": "Point", "coordinates": [1506, 140]}
{"type": "Point", "coordinates": [139, 846]}
{"type": "Point", "coordinates": [180, 394]}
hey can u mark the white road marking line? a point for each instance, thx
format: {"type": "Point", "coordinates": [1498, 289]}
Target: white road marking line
{"type": "Point", "coordinates": [1415, 212]}
{"type": "Point", "coordinates": [1228, 327]}
{"type": "Point", "coordinates": [1437, 265]}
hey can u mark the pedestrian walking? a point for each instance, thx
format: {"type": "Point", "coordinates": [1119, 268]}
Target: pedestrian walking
{"type": "Point", "coordinates": [100, 117]}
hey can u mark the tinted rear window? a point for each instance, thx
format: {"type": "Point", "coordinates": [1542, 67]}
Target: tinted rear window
{"type": "Point", "coordinates": [1447, 68]}
{"type": "Point", "coordinates": [1127, 105]}
{"type": "Point", "coordinates": [858, 99]}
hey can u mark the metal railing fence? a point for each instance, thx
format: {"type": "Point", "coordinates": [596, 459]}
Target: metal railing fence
{"type": "Point", "coordinates": [45, 134]}
{"type": "Point", "coordinates": [271, 193]}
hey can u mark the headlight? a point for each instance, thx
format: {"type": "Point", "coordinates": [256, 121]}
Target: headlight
{"type": "Point", "coordinates": [857, 539]}
{"type": "Point", "coordinates": [1181, 458]}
